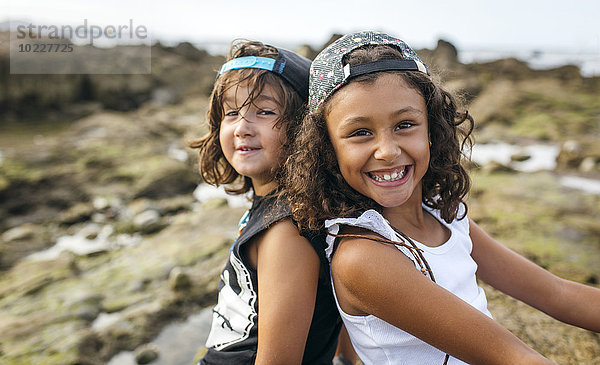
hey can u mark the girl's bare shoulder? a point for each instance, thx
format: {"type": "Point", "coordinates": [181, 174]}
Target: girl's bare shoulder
{"type": "Point", "coordinates": [359, 250]}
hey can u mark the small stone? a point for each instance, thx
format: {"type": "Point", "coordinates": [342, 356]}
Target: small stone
{"type": "Point", "coordinates": [139, 285]}
{"type": "Point", "coordinates": [139, 206]}
{"type": "Point", "coordinates": [520, 156]}
{"type": "Point", "coordinates": [571, 154]}
{"type": "Point", "coordinates": [22, 232]}
{"type": "Point", "coordinates": [588, 164]}
{"type": "Point", "coordinates": [82, 298]}
{"type": "Point", "coordinates": [87, 312]}
{"type": "Point", "coordinates": [147, 221]}
{"type": "Point", "coordinates": [147, 353]}
{"type": "Point", "coordinates": [571, 146]}
{"type": "Point", "coordinates": [98, 218]}
{"type": "Point", "coordinates": [90, 231]}
{"type": "Point", "coordinates": [100, 203]}
{"type": "Point", "coordinates": [79, 212]}
{"type": "Point", "coordinates": [178, 280]}
{"type": "Point", "coordinates": [592, 279]}
{"type": "Point", "coordinates": [495, 167]}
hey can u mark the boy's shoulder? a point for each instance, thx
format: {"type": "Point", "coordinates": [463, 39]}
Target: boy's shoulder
{"type": "Point", "coordinates": [268, 209]}
{"type": "Point", "coordinates": [264, 213]}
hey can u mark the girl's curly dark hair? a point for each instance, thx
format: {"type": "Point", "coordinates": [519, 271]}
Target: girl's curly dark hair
{"type": "Point", "coordinates": [315, 187]}
{"type": "Point", "coordinates": [214, 167]}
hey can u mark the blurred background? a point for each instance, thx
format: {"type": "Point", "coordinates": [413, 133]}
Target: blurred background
{"type": "Point", "coordinates": [110, 245]}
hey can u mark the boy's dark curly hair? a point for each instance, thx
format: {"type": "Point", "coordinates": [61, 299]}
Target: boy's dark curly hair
{"type": "Point", "coordinates": [214, 167]}
{"type": "Point", "coordinates": [315, 187]}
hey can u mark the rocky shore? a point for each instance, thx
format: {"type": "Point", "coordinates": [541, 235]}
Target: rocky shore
{"type": "Point", "coordinates": [103, 242]}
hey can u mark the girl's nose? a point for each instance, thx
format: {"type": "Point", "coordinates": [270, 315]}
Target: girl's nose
{"type": "Point", "coordinates": [387, 149]}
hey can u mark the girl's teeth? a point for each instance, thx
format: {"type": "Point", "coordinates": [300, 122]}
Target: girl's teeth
{"type": "Point", "coordinates": [390, 177]}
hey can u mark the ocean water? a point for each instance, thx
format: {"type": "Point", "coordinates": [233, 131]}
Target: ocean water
{"type": "Point", "coordinates": [542, 157]}
{"type": "Point", "coordinates": [587, 61]}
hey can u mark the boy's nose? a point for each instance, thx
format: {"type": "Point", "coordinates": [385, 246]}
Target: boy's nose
{"type": "Point", "coordinates": [244, 126]}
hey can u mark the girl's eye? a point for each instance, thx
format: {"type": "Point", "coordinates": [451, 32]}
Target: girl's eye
{"type": "Point", "coordinates": [231, 113]}
{"type": "Point", "coordinates": [404, 124]}
{"type": "Point", "coordinates": [266, 112]}
{"type": "Point", "coordinates": [360, 133]}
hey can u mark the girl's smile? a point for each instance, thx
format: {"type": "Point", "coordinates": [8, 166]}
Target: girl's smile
{"type": "Point", "coordinates": [379, 131]}
{"type": "Point", "coordinates": [390, 177]}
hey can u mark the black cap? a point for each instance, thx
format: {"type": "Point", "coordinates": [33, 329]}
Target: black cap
{"type": "Point", "coordinates": [292, 67]}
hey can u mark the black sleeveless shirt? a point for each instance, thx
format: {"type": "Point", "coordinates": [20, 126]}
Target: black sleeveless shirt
{"type": "Point", "coordinates": [233, 338]}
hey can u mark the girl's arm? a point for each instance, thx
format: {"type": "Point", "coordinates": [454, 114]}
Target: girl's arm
{"type": "Point", "coordinates": [344, 349]}
{"type": "Point", "coordinates": [567, 301]}
{"type": "Point", "coordinates": [288, 272]}
{"type": "Point", "coordinates": [377, 279]}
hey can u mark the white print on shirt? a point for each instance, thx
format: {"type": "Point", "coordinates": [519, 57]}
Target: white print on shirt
{"type": "Point", "coordinates": [234, 315]}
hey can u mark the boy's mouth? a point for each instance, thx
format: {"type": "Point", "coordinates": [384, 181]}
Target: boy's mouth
{"type": "Point", "coordinates": [247, 148]}
{"type": "Point", "coordinates": [388, 175]}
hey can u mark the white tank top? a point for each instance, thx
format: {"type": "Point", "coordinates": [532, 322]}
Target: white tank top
{"type": "Point", "coordinates": [378, 342]}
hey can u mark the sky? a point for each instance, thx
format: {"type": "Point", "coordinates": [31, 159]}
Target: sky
{"type": "Point", "coordinates": [550, 25]}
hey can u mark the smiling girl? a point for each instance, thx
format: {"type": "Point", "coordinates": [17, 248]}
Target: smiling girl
{"type": "Point", "coordinates": [377, 164]}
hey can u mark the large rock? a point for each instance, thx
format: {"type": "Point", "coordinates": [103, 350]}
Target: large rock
{"type": "Point", "coordinates": [445, 55]}
{"type": "Point", "coordinates": [582, 154]}
{"type": "Point", "coordinates": [187, 50]}
{"type": "Point", "coordinates": [496, 103]}
{"type": "Point", "coordinates": [178, 70]}
{"type": "Point", "coordinates": [168, 179]}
